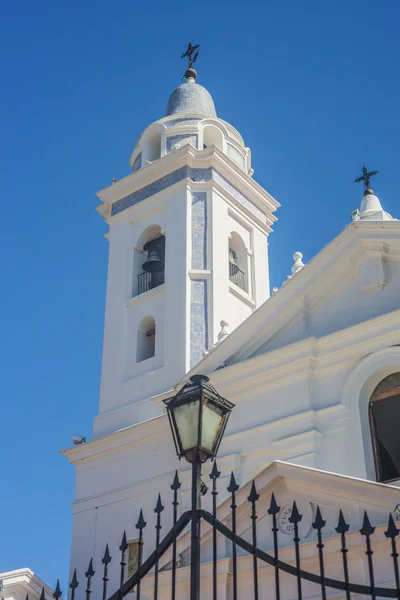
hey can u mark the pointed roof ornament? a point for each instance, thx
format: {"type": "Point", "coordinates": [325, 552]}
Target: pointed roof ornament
{"type": "Point", "coordinates": [192, 54]}
{"type": "Point", "coordinates": [365, 178]}
{"type": "Point", "coordinates": [371, 208]}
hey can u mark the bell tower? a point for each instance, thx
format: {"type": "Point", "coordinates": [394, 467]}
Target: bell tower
{"type": "Point", "coordinates": [188, 249]}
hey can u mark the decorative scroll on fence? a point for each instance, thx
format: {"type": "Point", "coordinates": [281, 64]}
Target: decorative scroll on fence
{"type": "Point", "coordinates": [151, 564]}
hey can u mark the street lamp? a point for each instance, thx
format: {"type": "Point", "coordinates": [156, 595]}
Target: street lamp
{"type": "Point", "coordinates": [198, 416]}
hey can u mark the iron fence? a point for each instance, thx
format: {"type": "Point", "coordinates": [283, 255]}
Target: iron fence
{"type": "Point", "coordinates": [259, 556]}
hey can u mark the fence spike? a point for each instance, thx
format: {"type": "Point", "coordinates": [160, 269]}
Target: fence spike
{"type": "Point", "coordinates": [176, 484]}
{"type": "Point", "coordinates": [141, 524]}
{"type": "Point", "coordinates": [366, 528]}
{"type": "Point", "coordinates": [295, 517]}
{"type": "Point", "coordinates": [391, 533]}
{"type": "Point", "coordinates": [159, 506]}
{"type": "Point", "coordinates": [74, 582]}
{"type": "Point", "coordinates": [123, 548]}
{"type": "Point", "coordinates": [106, 558]}
{"type": "Point", "coordinates": [57, 592]}
{"type": "Point", "coordinates": [342, 526]}
{"type": "Point", "coordinates": [232, 489]}
{"type": "Point", "coordinates": [42, 596]}
{"type": "Point", "coordinates": [124, 543]}
{"type": "Point", "coordinates": [90, 572]}
{"type": "Point", "coordinates": [319, 523]}
{"type": "Point", "coordinates": [392, 530]}
{"type": "Point", "coordinates": [253, 496]}
{"type": "Point", "coordinates": [214, 471]}
{"type": "Point", "coordinates": [233, 486]}
{"type": "Point", "coordinates": [273, 507]}
{"type": "Point", "coordinates": [27, 597]}
{"type": "Point", "coordinates": [214, 475]}
{"type": "Point", "coordinates": [158, 510]}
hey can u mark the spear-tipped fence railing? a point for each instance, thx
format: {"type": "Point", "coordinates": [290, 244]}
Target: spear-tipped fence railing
{"type": "Point", "coordinates": [259, 557]}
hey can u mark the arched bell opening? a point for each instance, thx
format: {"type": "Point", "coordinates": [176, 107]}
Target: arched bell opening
{"type": "Point", "coordinates": [151, 146]}
{"type": "Point", "coordinates": [238, 261]}
{"type": "Point", "coordinates": [146, 339]}
{"type": "Point", "coordinates": [149, 261]}
{"type": "Point", "coordinates": [212, 136]}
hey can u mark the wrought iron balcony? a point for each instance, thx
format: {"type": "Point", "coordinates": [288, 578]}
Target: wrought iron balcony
{"type": "Point", "coordinates": [237, 276]}
{"type": "Point", "coordinates": [148, 281]}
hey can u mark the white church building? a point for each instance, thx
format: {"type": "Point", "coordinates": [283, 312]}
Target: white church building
{"type": "Point", "coordinates": [313, 369]}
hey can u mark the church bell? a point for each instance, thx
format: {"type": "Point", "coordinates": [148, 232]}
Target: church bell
{"type": "Point", "coordinates": [155, 256]}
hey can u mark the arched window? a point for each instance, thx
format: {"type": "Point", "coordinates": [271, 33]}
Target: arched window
{"type": "Point", "coordinates": [151, 146]}
{"type": "Point", "coordinates": [148, 261]}
{"type": "Point", "coordinates": [238, 262]}
{"type": "Point", "coordinates": [146, 339]}
{"type": "Point", "coordinates": [213, 136]}
{"type": "Point", "coordinates": [384, 418]}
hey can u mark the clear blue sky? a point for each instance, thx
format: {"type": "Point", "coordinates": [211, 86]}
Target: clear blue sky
{"type": "Point", "coordinates": [312, 86]}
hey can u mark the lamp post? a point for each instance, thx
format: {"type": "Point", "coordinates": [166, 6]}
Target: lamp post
{"type": "Point", "coordinates": [198, 416]}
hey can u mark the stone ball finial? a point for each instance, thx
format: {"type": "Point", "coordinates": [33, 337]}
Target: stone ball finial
{"type": "Point", "coordinates": [224, 331]}
{"type": "Point", "coordinates": [298, 263]}
{"type": "Point", "coordinates": [191, 74]}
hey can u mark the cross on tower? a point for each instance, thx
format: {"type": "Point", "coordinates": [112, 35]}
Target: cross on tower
{"type": "Point", "coordinates": [365, 177]}
{"type": "Point", "coordinates": [191, 54]}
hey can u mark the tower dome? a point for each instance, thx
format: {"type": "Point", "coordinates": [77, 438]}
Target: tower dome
{"type": "Point", "coordinates": [191, 98]}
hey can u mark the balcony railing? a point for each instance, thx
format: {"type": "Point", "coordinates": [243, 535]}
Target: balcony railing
{"type": "Point", "coordinates": [237, 276]}
{"type": "Point", "coordinates": [149, 281]}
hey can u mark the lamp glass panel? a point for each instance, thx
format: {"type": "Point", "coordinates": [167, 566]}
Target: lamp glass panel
{"type": "Point", "coordinates": [187, 424]}
{"type": "Point", "coordinates": [213, 418]}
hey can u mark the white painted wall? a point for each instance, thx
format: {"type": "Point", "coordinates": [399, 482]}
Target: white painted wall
{"type": "Point", "coordinates": [301, 390]}
{"type": "Point", "coordinates": [127, 386]}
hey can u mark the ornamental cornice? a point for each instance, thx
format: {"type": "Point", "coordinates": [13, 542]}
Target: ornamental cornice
{"type": "Point", "coordinates": [188, 156]}
{"type": "Point", "coordinates": [304, 358]}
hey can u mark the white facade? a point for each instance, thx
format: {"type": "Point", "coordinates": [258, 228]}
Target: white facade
{"type": "Point", "coordinates": [300, 366]}
{"type": "Point", "coordinates": [21, 584]}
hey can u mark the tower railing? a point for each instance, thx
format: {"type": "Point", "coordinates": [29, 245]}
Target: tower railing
{"type": "Point", "coordinates": [238, 277]}
{"type": "Point", "coordinates": [148, 281]}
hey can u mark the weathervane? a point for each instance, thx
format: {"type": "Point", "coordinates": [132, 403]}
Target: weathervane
{"type": "Point", "coordinates": [365, 178]}
{"type": "Point", "coordinates": [191, 53]}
